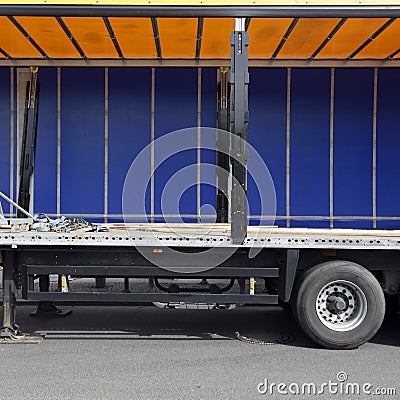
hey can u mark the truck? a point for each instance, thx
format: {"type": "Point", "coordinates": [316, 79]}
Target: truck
{"type": "Point", "coordinates": [224, 153]}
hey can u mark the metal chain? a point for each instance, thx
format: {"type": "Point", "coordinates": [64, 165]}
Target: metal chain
{"type": "Point", "coordinates": [284, 338]}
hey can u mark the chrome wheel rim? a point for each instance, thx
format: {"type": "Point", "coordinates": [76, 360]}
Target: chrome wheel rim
{"type": "Point", "coordinates": [341, 305]}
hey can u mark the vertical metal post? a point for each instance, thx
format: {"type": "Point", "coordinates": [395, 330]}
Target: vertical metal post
{"type": "Point", "coordinates": [58, 141]}
{"type": "Point", "coordinates": [106, 135]}
{"type": "Point", "coordinates": [126, 285]}
{"type": "Point", "coordinates": [9, 328]}
{"type": "Point", "coordinates": [12, 136]}
{"type": "Point", "coordinates": [331, 147]}
{"type": "Point", "coordinates": [198, 172]}
{"type": "Point", "coordinates": [44, 283]}
{"type": "Point", "coordinates": [152, 138]}
{"type": "Point", "coordinates": [288, 126]}
{"type": "Point", "coordinates": [100, 283]}
{"type": "Point", "coordinates": [374, 131]}
{"type": "Point", "coordinates": [239, 116]}
{"type": "Point", "coordinates": [223, 162]}
{"type": "Point", "coordinates": [28, 142]}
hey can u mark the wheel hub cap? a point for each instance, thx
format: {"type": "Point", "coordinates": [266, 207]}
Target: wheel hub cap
{"type": "Point", "coordinates": [341, 305]}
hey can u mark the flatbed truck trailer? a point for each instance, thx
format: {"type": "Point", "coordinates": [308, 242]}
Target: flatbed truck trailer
{"type": "Point", "coordinates": [335, 278]}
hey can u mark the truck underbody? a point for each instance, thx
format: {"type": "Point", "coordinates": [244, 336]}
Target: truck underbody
{"type": "Point", "coordinates": [282, 255]}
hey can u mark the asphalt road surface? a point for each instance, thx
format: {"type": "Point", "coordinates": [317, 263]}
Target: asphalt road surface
{"type": "Point", "coordinates": [149, 353]}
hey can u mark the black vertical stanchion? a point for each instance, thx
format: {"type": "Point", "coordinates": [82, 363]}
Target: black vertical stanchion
{"type": "Point", "coordinates": [223, 163]}
{"type": "Point", "coordinates": [239, 116]}
{"type": "Point", "coordinates": [28, 142]}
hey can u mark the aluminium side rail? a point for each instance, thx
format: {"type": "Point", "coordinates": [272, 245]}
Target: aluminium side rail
{"type": "Point", "coordinates": [183, 235]}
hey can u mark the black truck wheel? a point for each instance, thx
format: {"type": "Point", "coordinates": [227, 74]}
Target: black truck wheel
{"type": "Point", "coordinates": [339, 304]}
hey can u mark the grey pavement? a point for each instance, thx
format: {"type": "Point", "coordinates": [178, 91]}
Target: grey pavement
{"type": "Point", "coordinates": [150, 353]}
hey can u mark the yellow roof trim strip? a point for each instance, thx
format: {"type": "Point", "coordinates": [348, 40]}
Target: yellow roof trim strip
{"type": "Point", "coordinates": [205, 2]}
{"type": "Point", "coordinates": [72, 38]}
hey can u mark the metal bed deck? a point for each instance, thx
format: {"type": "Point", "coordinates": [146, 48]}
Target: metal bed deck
{"type": "Point", "coordinates": [208, 235]}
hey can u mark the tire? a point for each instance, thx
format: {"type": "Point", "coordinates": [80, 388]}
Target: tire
{"type": "Point", "coordinates": [293, 298]}
{"type": "Point", "coordinates": [338, 304]}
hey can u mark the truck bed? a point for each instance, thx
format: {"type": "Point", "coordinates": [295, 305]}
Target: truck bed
{"type": "Point", "coordinates": [207, 235]}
